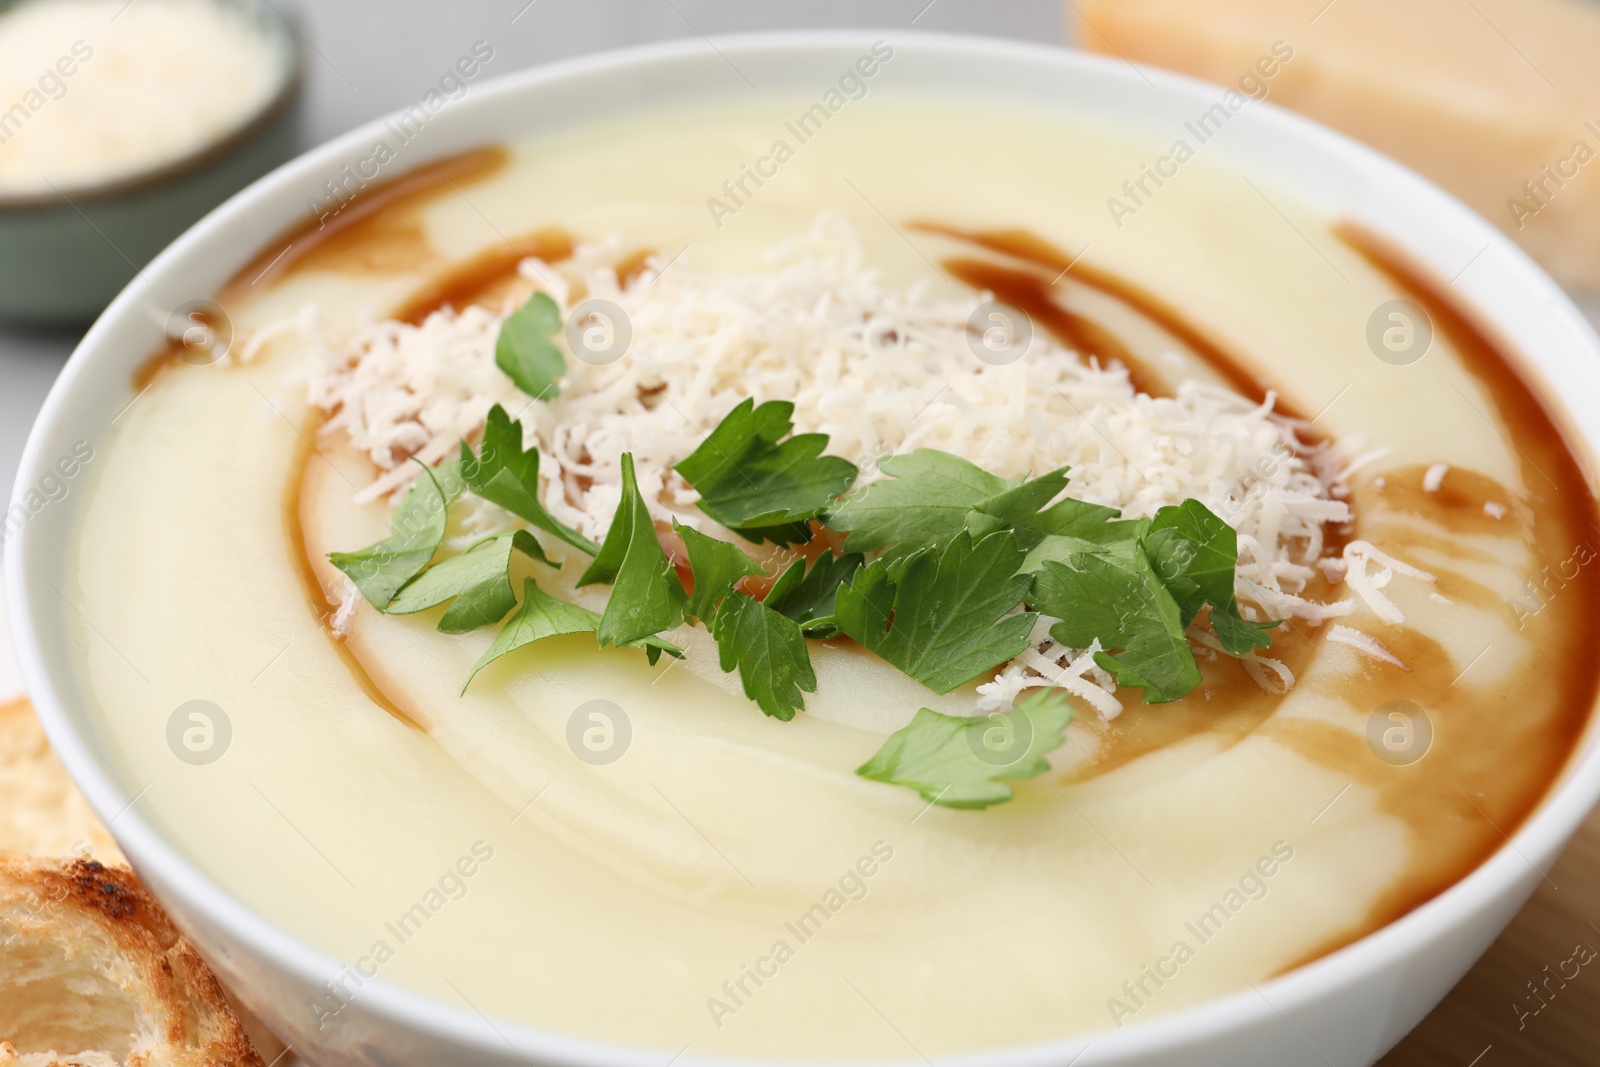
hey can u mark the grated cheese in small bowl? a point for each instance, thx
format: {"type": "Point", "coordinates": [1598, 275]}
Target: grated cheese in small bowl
{"type": "Point", "coordinates": [92, 91]}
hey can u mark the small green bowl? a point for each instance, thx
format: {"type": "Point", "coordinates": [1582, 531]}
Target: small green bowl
{"type": "Point", "coordinates": [64, 255]}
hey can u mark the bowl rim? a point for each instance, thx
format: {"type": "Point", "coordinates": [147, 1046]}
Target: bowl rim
{"type": "Point", "coordinates": [1505, 874]}
{"type": "Point", "coordinates": [285, 34]}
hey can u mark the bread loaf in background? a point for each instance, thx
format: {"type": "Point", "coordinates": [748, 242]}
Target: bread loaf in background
{"type": "Point", "coordinates": [1496, 100]}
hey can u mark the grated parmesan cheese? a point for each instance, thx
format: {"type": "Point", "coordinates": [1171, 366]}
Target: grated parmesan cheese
{"type": "Point", "coordinates": [1270, 674]}
{"type": "Point", "coordinates": [1357, 554]}
{"type": "Point", "coordinates": [349, 600]}
{"type": "Point", "coordinates": [96, 90]}
{"type": "Point", "coordinates": [881, 371]}
{"type": "Point", "coordinates": [398, 391]}
{"type": "Point", "coordinates": [1047, 662]}
{"type": "Point", "coordinates": [1364, 643]}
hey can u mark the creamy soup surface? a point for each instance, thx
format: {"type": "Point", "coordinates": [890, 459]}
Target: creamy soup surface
{"type": "Point", "coordinates": [729, 884]}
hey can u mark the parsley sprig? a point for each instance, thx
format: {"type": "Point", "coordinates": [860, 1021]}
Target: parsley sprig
{"type": "Point", "coordinates": [477, 583]}
{"type": "Point", "coordinates": [759, 485]}
{"type": "Point", "coordinates": [808, 595]}
{"type": "Point", "coordinates": [948, 568]}
{"type": "Point", "coordinates": [931, 496]}
{"type": "Point", "coordinates": [1196, 553]}
{"type": "Point", "coordinates": [958, 762]}
{"type": "Point", "coordinates": [646, 595]}
{"type": "Point", "coordinates": [525, 352]}
{"type": "Point", "coordinates": [941, 615]}
{"type": "Point", "coordinates": [416, 530]}
{"type": "Point", "coordinates": [542, 616]}
{"type": "Point", "coordinates": [769, 652]}
{"type": "Point", "coordinates": [504, 473]}
{"type": "Point", "coordinates": [1117, 598]}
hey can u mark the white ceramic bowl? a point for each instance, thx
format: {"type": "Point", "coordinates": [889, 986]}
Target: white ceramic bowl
{"type": "Point", "coordinates": [1344, 1010]}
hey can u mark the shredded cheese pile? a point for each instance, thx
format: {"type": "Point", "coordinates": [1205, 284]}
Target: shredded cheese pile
{"type": "Point", "coordinates": [97, 90]}
{"type": "Point", "coordinates": [881, 371]}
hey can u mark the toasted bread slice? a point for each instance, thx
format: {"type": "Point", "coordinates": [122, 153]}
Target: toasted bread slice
{"type": "Point", "coordinates": [93, 973]}
{"type": "Point", "coordinates": [41, 811]}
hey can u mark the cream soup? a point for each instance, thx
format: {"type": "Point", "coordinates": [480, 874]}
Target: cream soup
{"type": "Point", "coordinates": [728, 884]}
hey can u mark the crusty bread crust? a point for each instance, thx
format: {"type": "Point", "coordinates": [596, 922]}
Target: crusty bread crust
{"type": "Point", "coordinates": [70, 922]}
{"type": "Point", "coordinates": [88, 958]}
{"type": "Point", "coordinates": [41, 811]}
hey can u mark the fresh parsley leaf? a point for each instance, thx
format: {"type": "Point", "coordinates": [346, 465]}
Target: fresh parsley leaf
{"type": "Point", "coordinates": [1117, 597]}
{"type": "Point", "coordinates": [1026, 509]}
{"type": "Point", "coordinates": [925, 502]}
{"type": "Point", "coordinates": [768, 650]}
{"type": "Point", "coordinates": [478, 580]}
{"type": "Point", "coordinates": [938, 616]}
{"type": "Point", "coordinates": [757, 487]}
{"type": "Point", "coordinates": [504, 474]}
{"type": "Point", "coordinates": [416, 529]}
{"type": "Point", "coordinates": [544, 616]}
{"type": "Point", "coordinates": [451, 481]}
{"type": "Point", "coordinates": [956, 762]}
{"type": "Point", "coordinates": [646, 596]}
{"type": "Point", "coordinates": [807, 595]}
{"type": "Point", "coordinates": [932, 495]}
{"type": "Point", "coordinates": [716, 566]}
{"type": "Point", "coordinates": [541, 616]}
{"type": "Point", "coordinates": [614, 547]}
{"type": "Point", "coordinates": [1195, 554]}
{"type": "Point", "coordinates": [1116, 538]}
{"type": "Point", "coordinates": [1239, 635]}
{"type": "Point", "coordinates": [525, 352]}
